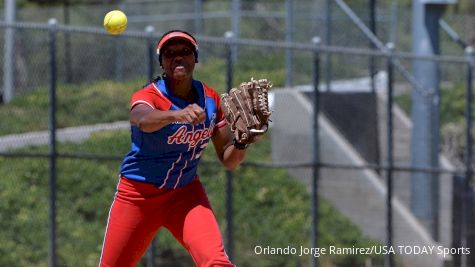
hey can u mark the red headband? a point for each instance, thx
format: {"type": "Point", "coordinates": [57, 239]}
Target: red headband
{"type": "Point", "coordinates": [176, 35]}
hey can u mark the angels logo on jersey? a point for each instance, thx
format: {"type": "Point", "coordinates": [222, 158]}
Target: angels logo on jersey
{"type": "Point", "coordinates": [192, 138]}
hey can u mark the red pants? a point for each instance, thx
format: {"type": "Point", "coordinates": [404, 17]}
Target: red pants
{"type": "Point", "coordinates": [140, 209]}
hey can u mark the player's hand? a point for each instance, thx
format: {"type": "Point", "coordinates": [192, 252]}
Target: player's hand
{"type": "Point", "coordinates": [193, 114]}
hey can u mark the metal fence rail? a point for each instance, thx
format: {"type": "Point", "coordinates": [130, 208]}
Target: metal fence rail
{"type": "Point", "coordinates": [311, 52]}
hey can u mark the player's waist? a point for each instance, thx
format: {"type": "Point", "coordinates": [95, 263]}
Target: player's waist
{"type": "Point", "coordinates": [163, 179]}
{"type": "Point", "coordinates": [141, 192]}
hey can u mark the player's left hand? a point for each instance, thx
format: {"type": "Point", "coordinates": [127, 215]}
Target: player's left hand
{"type": "Point", "coordinates": [247, 110]}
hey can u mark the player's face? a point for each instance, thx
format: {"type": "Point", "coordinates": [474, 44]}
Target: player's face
{"type": "Point", "coordinates": [178, 60]}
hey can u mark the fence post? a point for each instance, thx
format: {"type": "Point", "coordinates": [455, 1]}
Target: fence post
{"type": "Point", "coordinates": [235, 25]}
{"type": "Point", "coordinates": [229, 175]}
{"type": "Point", "coordinates": [390, 160]}
{"type": "Point", "coordinates": [458, 182]}
{"type": "Point", "coordinates": [372, 26]}
{"type": "Point", "coordinates": [151, 51]}
{"type": "Point", "coordinates": [67, 43]}
{"type": "Point", "coordinates": [9, 53]}
{"type": "Point", "coordinates": [316, 147]}
{"type": "Point", "coordinates": [53, 23]}
{"type": "Point", "coordinates": [328, 42]}
{"type": "Point", "coordinates": [198, 20]}
{"type": "Point", "coordinates": [467, 231]}
{"type": "Point", "coordinates": [151, 62]}
{"type": "Point", "coordinates": [425, 115]}
{"type": "Point", "coordinates": [119, 58]}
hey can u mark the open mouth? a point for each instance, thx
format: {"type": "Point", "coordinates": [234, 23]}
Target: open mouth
{"type": "Point", "coordinates": [179, 68]}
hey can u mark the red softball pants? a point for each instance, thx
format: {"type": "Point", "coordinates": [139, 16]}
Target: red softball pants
{"type": "Point", "coordinates": [139, 210]}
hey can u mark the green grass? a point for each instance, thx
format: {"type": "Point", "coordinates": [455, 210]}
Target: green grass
{"type": "Point", "coordinates": [270, 207]}
{"type": "Point", "coordinates": [103, 101]}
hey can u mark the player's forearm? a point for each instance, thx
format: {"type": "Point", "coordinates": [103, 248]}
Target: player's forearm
{"type": "Point", "coordinates": [232, 157]}
{"type": "Point", "coordinates": [156, 120]}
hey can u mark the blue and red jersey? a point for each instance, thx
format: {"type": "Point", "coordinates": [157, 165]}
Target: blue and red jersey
{"type": "Point", "coordinates": [169, 157]}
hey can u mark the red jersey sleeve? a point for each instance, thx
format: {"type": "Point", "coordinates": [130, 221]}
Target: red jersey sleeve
{"type": "Point", "coordinates": [220, 119]}
{"type": "Point", "coordinates": [211, 93]}
{"type": "Point", "coordinates": [150, 96]}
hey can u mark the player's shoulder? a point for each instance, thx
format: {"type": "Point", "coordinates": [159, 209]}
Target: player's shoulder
{"type": "Point", "coordinates": [150, 88]}
{"type": "Point", "coordinates": [150, 95]}
{"type": "Point", "coordinates": [210, 91]}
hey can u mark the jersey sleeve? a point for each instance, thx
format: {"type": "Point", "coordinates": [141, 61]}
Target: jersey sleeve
{"type": "Point", "coordinates": [151, 97]}
{"type": "Point", "coordinates": [211, 93]}
{"type": "Point", "coordinates": [220, 119]}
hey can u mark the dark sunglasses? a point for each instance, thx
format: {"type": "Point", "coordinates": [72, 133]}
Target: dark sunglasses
{"type": "Point", "coordinates": [177, 53]}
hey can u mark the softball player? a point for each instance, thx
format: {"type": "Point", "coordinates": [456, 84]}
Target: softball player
{"type": "Point", "coordinates": [172, 120]}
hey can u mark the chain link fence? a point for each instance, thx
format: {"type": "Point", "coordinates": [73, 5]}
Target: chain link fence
{"type": "Point", "coordinates": [95, 74]}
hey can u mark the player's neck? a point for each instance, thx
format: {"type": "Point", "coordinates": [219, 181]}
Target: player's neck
{"type": "Point", "coordinates": [183, 89]}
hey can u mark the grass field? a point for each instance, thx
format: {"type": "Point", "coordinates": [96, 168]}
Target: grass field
{"type": "Point", "coordinates": [271, 208]}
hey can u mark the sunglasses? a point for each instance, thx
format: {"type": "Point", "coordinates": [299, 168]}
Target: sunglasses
{"type": "Point", "coordinates": [177, 53]}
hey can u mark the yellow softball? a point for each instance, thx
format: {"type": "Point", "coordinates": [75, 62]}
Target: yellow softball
{"type": "Point", "coordinates": [115, 22]}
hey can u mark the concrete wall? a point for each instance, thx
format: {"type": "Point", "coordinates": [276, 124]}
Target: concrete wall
{"type": "Point", "coordinates": [402, 155]}
{"type": "Point", "coordinates": [358, 194]}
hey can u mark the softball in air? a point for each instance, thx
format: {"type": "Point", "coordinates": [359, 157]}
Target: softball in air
{"type": "Point", "coordinates": [115, 22]}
